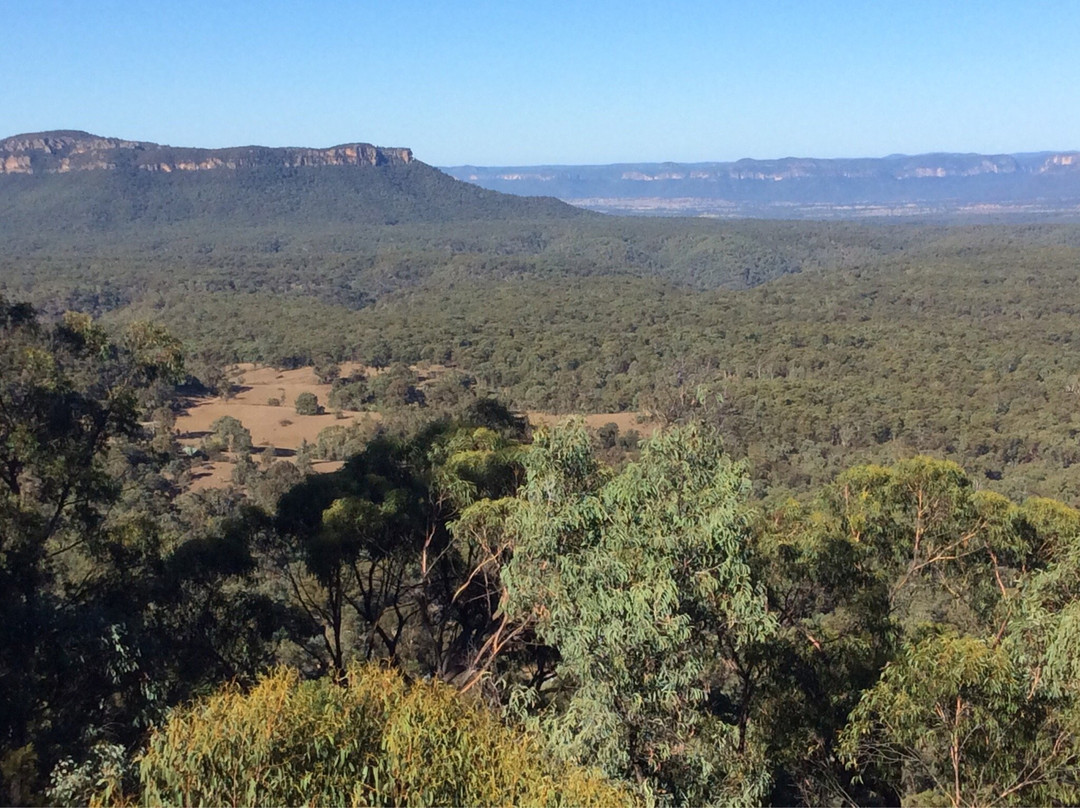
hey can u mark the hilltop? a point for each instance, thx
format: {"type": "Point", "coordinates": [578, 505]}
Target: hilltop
{"type": "Point", "coordinates": [61, 151]}
{"type": "Point", "coordinates": [67, 186]}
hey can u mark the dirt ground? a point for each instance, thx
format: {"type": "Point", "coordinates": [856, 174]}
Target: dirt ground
{"type": "Point", "coordinates": [277, 426]}
{"type": "Point", "coordinates": [281, 427]}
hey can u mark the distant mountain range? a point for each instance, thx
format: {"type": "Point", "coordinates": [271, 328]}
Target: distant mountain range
{"type": "Point", "coordinates": [74, 180]}
{"type": "Point", "coordinates": [976, 186]}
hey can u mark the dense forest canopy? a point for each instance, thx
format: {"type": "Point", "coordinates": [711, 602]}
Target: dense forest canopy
{"type": "Point", "coordinates": [844, 569]}
{"type": "Point", "coordinates": [867, 342]}
{"type": "Point", "coordinates": [647, 633]}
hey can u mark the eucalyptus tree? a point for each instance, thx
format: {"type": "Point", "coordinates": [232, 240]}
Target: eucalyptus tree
{"type": "Point", "coordinates": [70, 398]}
{"type": "Point", "coordinates": [348, 543]}
{"type": "Point", "coordinates": [926, 650]}
{"type": "Point", "coordinates": [642, 583]}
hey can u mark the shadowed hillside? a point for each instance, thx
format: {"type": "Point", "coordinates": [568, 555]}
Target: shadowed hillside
{"type": "Point", "coordinates": [129, 202]}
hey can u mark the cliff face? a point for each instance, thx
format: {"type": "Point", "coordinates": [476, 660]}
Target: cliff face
{"type": "Point", "coordinates": [63, 151]}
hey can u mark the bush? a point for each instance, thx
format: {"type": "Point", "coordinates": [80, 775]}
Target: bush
{"type": "Point", "coordinates": [630, 440]}
{"type": "Point", "coordinates": [307, 404]}
{"type": "Point", "coordinates": [375, 741]}
{"type": "Point", "coordinates": [608, 435]}
{"type": "Point", "coordinates": [327, 372]}
{"type": "Point", "coordinates": [342, 442]}
{"type": "Point", "coordinates": [227, 434]}
{"type": "Point", "coordinates": [351, 393]}
{"type": "Point", "coordinates": [397, 387]}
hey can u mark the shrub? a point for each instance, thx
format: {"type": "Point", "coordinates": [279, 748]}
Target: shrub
{"type": "Point", "coordinates": [341, 442]}
{"type": "Point", "coordinates": [374, 741]}
{"type": "Point", "coordinates": [608, 435]}
{"type": "Point", "coordinates": [228, 433]}
{"type": "Point", "coordinates": [307, 404]}
{"type": "Point", "coordinates": [327, 372]}
{"type": "Point", "coordinates": [630, 440]}
{"type": "Point", "coordinates": [351, 393]}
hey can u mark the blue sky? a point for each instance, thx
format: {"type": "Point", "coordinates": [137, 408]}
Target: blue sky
{"type": "Point", "coordinates": [527, 81]}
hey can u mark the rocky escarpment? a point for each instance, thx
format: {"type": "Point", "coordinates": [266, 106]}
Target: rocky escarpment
{"type": "Point", "coordinates": [63, 151]}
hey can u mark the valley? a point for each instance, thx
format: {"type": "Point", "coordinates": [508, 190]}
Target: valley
{"type": "Point", "coordinates": [320, 468]}
{"type": "Point", "coordinates": [810, 345]}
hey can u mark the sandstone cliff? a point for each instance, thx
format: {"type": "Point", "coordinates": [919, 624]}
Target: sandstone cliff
{"type": "Point", "coordinates": [63, 151]}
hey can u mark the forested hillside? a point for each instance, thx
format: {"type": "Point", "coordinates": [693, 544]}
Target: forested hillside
{"type": "Point", "coordinates": [141, 206]}
{"type": "Point", "coordinates": [959, 346]}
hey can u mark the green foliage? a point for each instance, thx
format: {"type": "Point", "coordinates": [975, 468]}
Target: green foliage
{"type": "Point", "coordinates": [929, 540]}
{"type": "Point", "coordinates": [271, 483]}
{"type": "Point", "coordinates": [308, 404]}
{"type": "Point", "coordinates": [475, 462]}
{"type": "Point", "coordinates": [68, 396]}
{"type": "Point", "coordinates": [304, 455]}
{"type": "Point", "coordinates": [1047, 601]}
{"type": "Point", "coordinates": [341, 442]}
{"type": "Point", "coordinates": [904, 589]}
{"type": "Point", "coordinates": [396, 386]}
{"type": "Point", "coordinates": [230, 434]}
{"type": "Point", "coordinates": [902, 633]}
{"type": "Point", "coordinates": [276, 205]}
{"type": "Point", "coordinates": [116, 598]}
{"type": "Point", "coordinates": [347, 543]}
{"type": "Point", "coordinates": [374, 741]}
{"type": "Point", "coordinates": [351, 393]}
{"type": "Point", "coordinates": [608, 435]}
{"type": "Point", "coordinates": [860, 343]}
{"type": "Point", "coordinates": [962, 724]}
{"type": "Point", "coordinates": [102, 778]}
{"type": "Point", "coordinates": [642, 582]}
{"type": "Point", "coordinates": [806, 375]}
{"type": "Point", "coordinates": [327, 371]}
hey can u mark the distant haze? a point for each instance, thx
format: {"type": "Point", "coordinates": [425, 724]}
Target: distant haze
{"type": "Point", "coordinates": [937, 186]}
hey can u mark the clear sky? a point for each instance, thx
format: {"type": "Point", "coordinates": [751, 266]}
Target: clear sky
{"type": "Point", "coordinates": [533, 81]}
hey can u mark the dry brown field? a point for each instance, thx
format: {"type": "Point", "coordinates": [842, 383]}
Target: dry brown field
{"type": "Point", "coordinates": [277, 426]}
{"type": "Point", "coordinates": [282, 428]}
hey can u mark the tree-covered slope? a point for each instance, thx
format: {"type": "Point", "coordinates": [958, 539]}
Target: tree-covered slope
{"type": "Point", "coordinates": [133, 204]}
{"type": "Point", "coordinates": [963, 351]}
